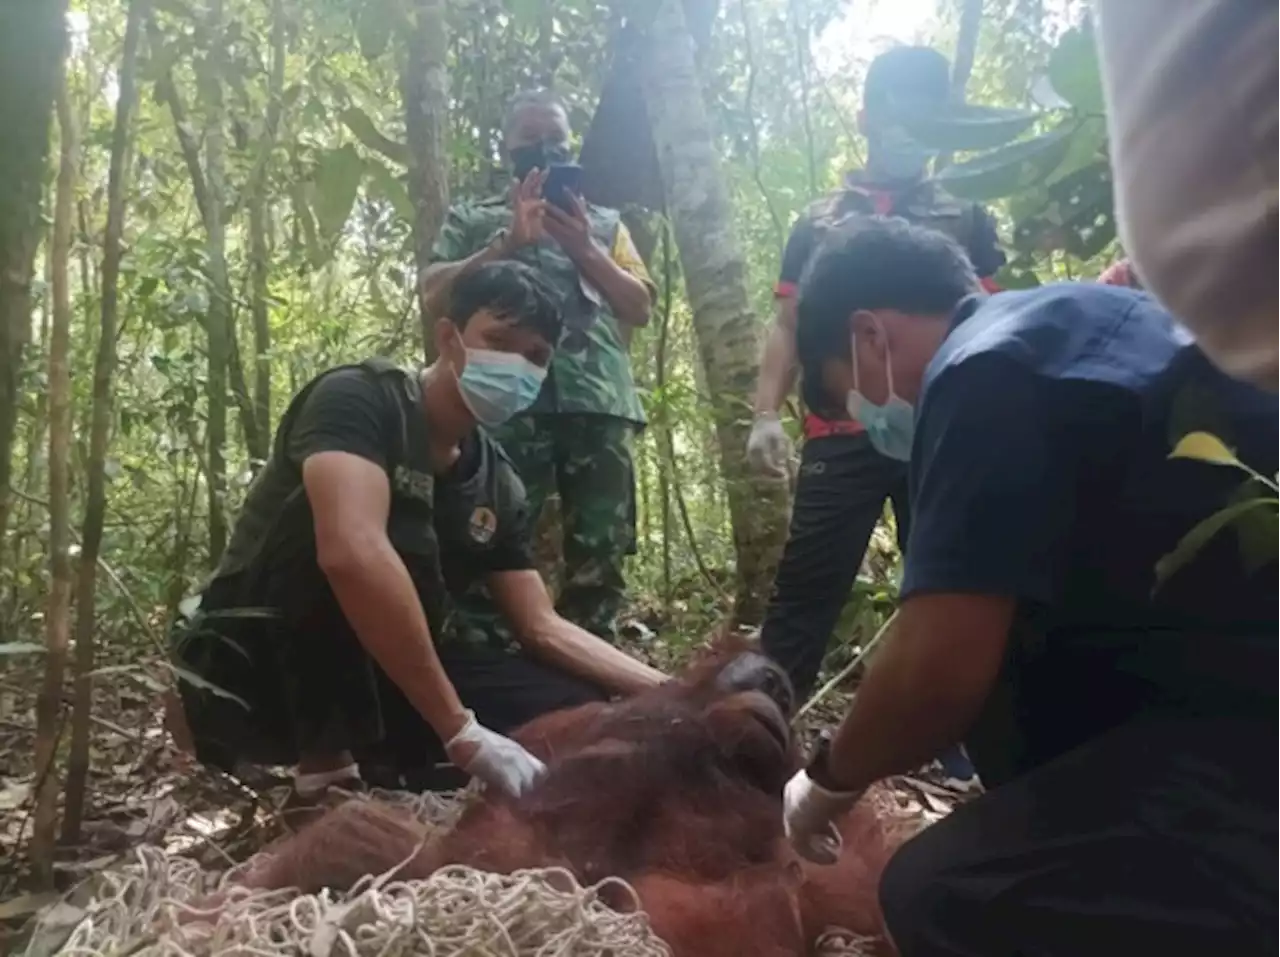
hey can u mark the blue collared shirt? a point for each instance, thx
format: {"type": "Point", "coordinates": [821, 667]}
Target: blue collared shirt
{"type": "Point", "coordinates": [1041, 472]}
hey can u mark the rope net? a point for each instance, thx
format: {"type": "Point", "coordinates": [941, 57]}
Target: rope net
{"type": "Point", "coordinates": [159, 904]}
{"type": "Point", "coordinates": [163, 904]}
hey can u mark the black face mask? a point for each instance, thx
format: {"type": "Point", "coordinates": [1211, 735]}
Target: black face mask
{"type": "Point", "coordinates": [525, 159]}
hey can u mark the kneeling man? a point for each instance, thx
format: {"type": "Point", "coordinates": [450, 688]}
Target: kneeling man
{"type": "Point", "coordinates": [1122, 718]}
{"type": "Point", "coordinates": [326, 635]}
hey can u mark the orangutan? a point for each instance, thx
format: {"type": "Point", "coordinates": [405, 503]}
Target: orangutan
{"type": "Point", "coordinates": [677, 791]}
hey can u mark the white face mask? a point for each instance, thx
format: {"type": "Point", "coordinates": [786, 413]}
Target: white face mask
{"type": "Point", "coordinates": [890, 427]}
{"type": "Point", "coordinates": [899, 157]}
{"type": "Point", "coordinates": [495, 386]}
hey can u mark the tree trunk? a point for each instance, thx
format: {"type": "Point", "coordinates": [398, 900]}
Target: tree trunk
{"type": "Point", "coordinates": [219, 316]}
{"type": "Point", "coordinates": [58, 614]}
{"type": "Point", "coordinates": [424, 90]}
{"type": "Point", "coordinates": [966, 47]}
{"type": "Point", "coordinates": [664, 425]}
{"type": "Point", "coordinates": [962, 65]}
{"type": "Point", "coordinates": [32, 34]}
{"type": "Point", "coordinates": [259, 246]}
{"type": "Point", "coordinates": [716, 279]}
{"type": "Point", "coordinates": [219, 322]}
{"type": "Point", "coordinates": [104, 365]}
{"type": "Point", "coordinates": [22, 531]}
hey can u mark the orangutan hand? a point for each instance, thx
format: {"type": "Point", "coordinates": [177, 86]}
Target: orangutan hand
{"type": "Point", "coordinates": [809, 812]}
{"type": "Point", "coordinates": [496, 760]}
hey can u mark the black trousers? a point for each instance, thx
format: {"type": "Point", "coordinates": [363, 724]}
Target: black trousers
{"type": "Point", "coordinates": [505, 690]}
{"type": "Point", "coordinates": [273, 689]}
{"type": "Point", "coordinates": [840, 497]}
{"type": "Point", "coordinates": [1156, 838]}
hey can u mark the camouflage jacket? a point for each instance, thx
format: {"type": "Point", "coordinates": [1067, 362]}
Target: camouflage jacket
{"type": "Point", "coordinates": [591, 371]}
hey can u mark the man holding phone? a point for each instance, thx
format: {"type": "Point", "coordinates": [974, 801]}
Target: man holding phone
{"type": "Point", "coordinates": [575, 441]}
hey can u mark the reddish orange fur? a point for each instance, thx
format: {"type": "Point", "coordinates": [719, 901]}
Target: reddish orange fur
{"type": "Point", "coordinates": [677, 791]}
{"type": "Point", "coordinates": [845, 894]}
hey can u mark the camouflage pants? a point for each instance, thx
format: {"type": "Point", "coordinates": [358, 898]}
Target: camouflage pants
{"type": "Point", "coordinates": [586, 461]}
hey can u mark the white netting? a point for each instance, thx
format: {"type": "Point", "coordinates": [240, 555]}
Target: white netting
{"type": "Point", "coordinates": [151, 907]}
{"type": "Point", "coordinates": [843, 943]}
{"type": "Point", "coordinates": [146, 909]}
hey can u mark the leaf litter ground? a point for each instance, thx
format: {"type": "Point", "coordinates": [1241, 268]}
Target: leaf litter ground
{"type": "Point", "coordinates": [160, 830]}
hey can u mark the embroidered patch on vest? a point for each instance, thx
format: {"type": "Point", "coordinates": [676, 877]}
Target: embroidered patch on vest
{"type": "Point", "coordinates": [483, 524]}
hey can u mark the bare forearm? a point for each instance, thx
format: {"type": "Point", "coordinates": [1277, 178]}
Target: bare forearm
{"type": "Point", "coordinates": [920, 697]}
{"type": "Point", "coordinates": [575, 650]}
{"type": "Point", "coordinates": [777, 368]}
{"type": "Point", "coordinates": [626, 295]}
{"type": "Point", "coordinates": [379, 600]}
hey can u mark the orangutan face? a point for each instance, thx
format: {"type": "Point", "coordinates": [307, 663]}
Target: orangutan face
{"type": "Point", "coordinates": [678, 791]}
{"type": "Point", "coordinates": [724, 722]}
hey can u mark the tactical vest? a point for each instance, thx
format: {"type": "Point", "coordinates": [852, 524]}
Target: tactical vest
{"type": "Point", "coordinates": [924, 204]}
{"type": "Point", "coordinates": [469, 515]}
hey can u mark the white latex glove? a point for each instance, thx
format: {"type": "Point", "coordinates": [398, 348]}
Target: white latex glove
{"type": "Point", "coordinates": [768, 448]}
{"type": "Point", "coordinates": [808, 816]}
{"type": "Point", "coordinates": [493, 758]}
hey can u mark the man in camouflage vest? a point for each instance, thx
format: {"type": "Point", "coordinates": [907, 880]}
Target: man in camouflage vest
{"type": "Point", "coordinates": [844, 481]}
{"type": "Point", "coordinates": [575, 441]}
{"type": "Point", "coordinates": [328, 629]}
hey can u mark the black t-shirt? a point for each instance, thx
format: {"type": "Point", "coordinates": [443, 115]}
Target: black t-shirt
{"type": "Point", "coordinates": [1041, 471]}
{"type": "Point", "coordinates": [450, 528]}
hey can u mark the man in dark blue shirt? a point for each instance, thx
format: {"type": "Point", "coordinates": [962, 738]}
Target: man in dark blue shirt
{"type": "Point", "coordinates": [1124, 724]}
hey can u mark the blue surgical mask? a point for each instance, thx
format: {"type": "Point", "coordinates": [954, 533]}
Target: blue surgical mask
{"type": "Point", "coordinates": [498, 385]}
{"type": "Point", "coordinates": [900, 158]}
{"type": "Point", "coordinates": [890, 427]}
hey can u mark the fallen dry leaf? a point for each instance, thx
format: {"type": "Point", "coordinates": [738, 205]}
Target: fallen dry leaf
{"type": "Point", "coordinates": [25, 905]}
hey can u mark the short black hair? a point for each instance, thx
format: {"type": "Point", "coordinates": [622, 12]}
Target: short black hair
{"type": "Point", "coordinates": [546, 99]}
{"type": "Point", "coordinates": [874, 262]}
{"type": "Point", "coordinates": [911, 72]}
{"type": "Point", "coordinates": [512, 292]}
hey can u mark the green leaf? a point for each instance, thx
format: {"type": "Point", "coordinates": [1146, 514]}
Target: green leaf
{"type": "Point", "coordinates": [1074, 71]}
{"type": "Point", "coordinates": [1010, 277]}
{"type": "Point", "coordinates": [196, 681]}
{"type": "Point", "coordinates": [525, 12]}
{"type": "Point", "coordinates": [1191, 543]}
{"type": "Point", "coordinates": [373, 28]}
{"type": "Point", "coordinates": [1075, 214]}
{"type": "Point", "coordinates": [1008, 170]}
{"type": "Point", "coordinates": [1204, 448]}
{"type": "Point", "coordinates": [1086, 147]}
{"type": "Point", "coordinates": [364, 129]}
{"type": "Point", "coordinates": [969, 127]}
{"type": "Point", "coordinates": [270, 614]}
{"type": "Point", "coordinates": [302, 209]}
{"type": "Point", "coordinates": [1257, 535]}
{"type": "Point", "coordinates": [383, 184]}
{"type": "Point", "coordinates": [337, 180]}
{"type": "Point", "coordinates": [20, 648]}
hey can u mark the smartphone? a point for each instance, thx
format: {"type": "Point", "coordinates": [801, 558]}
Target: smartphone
{"type": "Point", "coordinates": [562, 180]}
